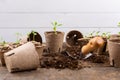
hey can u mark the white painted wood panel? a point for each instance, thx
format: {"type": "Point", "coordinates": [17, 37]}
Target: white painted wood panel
{"type": "Point", "coordinates": [59, 5]}
{"type": "Point", "coordinates": [68, 20]}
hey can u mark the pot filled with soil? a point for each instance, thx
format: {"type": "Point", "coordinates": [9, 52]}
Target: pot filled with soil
{"type": "Point", "coordinates": [72, 38]}
{"type": "Point", "coordinates": [54, 41]}
{"type": "Point", "coordinates": [39, 48]}
{"type": "Point", "coordinates": [32, 36]}
{"type": "Point", "coordinates": [114, 52]}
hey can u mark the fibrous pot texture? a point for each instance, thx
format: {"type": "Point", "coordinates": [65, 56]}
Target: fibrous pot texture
{"type": "Point", "coordinates": [54, 41]}
{"type": "Point", "coordinates": [114, 52]}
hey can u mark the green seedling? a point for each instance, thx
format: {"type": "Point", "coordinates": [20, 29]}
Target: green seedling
{"type": "Point", "coordinates": [18, 35]}
{"type": "Point", "coordinates": [91, 34]}
{"type": "Point", "coordinates": [119, 24]}
{"type": "Point", "coordinates": [119, 33]}
{"type": "Point", "coordinates": [55, 25]}
{"type": "Point", "coordinates": [97, 33]}
{"type": "Point", "coordinates": [2, 42]}
{"type": "Point", "coordinates": [106, 35]}
{"type": "Point", "coordinates": [34, 34]}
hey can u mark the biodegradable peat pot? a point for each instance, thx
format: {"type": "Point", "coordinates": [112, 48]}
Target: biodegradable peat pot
{"type": "Point", "coordinates": [115, 36]}
{"type": "Point", "coordinates": [114, 52]}
{"type": "Point", "coordinates": [54, 41]}
{"type": "Point", "coordinates": [2, 58]}
{"type": "Point", "coordinates": [31, 37]}
{"type": "Point", "coordinates": [36, 37]}
{"type": "Point", "coordinates": [39, 48]}
{"type": "Point", "coordinates": [24, 57]}
{"type": "Point", "coordinates": [72, 38]}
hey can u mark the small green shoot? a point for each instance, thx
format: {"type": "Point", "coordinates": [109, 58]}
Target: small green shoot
{"type": "Point", "coordinates": [119, 33]}
{"type": "Point", "coordinates": [18, 35]}
{"type": "Point", "coordinates": [106, 35]}
{"type": "Point", "coordinates": [55, 25]}
{"type": "Point", "coordinates": [97, 33]}
{"type": "Point", "coordinates": [2, 42]}
{"type": "Point", "coordinates": [91, 34]}
{"type": "Point", "coordinates": [119, 24]}
{"type": "Point", "coordinates": [34, 34]}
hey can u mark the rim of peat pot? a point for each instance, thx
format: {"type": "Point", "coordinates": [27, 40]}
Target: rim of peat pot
{"type": "Point", "coordinates": [47, 32]}
{"type": "Point", "coordinates": [72, 37]}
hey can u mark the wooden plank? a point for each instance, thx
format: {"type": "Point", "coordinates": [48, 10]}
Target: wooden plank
{"type": "Point", "coordinates": [3, 72]}
{"type": "Point", "coordinates": [96, 73]}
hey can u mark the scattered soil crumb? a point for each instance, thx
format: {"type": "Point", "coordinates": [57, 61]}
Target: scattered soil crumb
{"type": "Point", "coordinates": [59, 61]}
{"type": "Point", "coordinates": [98, 58]}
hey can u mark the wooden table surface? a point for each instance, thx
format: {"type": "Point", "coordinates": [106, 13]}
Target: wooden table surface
{"type": "Point", "coordinates": [93, 73]}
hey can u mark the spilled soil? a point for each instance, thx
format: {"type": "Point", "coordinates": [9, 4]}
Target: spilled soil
{"type": "Point", "coordinates": [72, 58]}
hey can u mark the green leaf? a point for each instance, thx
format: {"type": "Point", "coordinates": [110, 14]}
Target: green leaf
{"type": "Point", "coordinates": [55, 23]}
{"type": "Point", "coordinates": [118, 32]}
{"type": "Point", "coordinates": [59, 24]}
{"type": "Point", "coordinates": [119, 24]}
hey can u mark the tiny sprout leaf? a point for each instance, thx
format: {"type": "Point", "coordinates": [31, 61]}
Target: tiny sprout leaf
{"type": "Point", "coordinates": [59, 24]}
{"type": "Point", "coordinates": [118, 32]}
{"type": "Point", "coordinates": [55, 23]}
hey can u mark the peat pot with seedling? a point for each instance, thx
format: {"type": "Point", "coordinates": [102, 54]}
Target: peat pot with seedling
{"type": "Point", "coordinates": [54, 39]}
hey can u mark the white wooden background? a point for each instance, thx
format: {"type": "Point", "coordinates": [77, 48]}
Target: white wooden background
{"type": "Point", "coordinates": [84, 15]}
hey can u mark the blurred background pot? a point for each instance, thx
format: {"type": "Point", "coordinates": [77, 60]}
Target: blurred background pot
{"type": "Point", "coordinates": [114, 52]}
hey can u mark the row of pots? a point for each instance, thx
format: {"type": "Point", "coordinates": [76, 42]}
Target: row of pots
{"type": "Point", "coordinates": [54, 43]}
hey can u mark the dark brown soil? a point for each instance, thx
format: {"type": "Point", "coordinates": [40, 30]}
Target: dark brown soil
{"type": "Point", "coordinates": [59, 61]}
{"type": "Point", "coordinates": [71, 58]}
{"type": "Point", "coordinates": [98, 58]}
